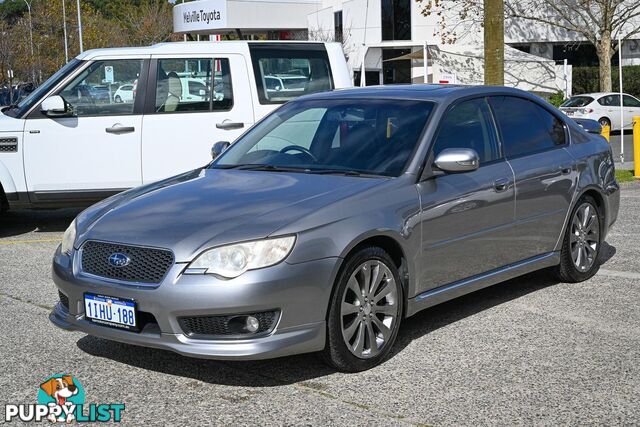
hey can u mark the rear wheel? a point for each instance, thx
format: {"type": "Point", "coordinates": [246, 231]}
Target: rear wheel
{"type": "Point", "coordinates": [118, 99]}
{"type": "Point", "coordinates": [582, 242]}
{"type": "Point", "coordinates": [365, 311]}
{"type": "Point", "coordinates": [604, 122]}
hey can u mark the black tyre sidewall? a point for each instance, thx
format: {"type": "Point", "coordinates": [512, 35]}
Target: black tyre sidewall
{"type": "Point", "coordinates": [336, 352]}
{"type": "Point", "coordinates": [567, 270]}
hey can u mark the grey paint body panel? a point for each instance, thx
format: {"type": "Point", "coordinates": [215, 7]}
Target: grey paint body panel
{"type": "Point", "coordinates": [457, 233]}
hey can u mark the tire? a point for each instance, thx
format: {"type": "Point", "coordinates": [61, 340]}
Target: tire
{"type": "Point", "coordinates": [117, 99]}
{"type": "Point", "coordinates": [575, 268]}
{"type": "Point", "coordinates": [605, 122]}
{"type": "Point", "coordinates": [362, 328]}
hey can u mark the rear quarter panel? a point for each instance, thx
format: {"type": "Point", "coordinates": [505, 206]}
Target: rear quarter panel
{"type": "Point", "coordinates": [596, 170]}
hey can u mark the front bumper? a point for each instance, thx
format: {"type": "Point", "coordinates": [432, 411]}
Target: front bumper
{"type": "Point", "coordinates": [300, 292]}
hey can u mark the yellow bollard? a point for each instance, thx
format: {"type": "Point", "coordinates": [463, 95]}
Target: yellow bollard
{"type": "Point", "coordinates": [636, 146]}
{"type": "Point", "coordinates": [606, 132]}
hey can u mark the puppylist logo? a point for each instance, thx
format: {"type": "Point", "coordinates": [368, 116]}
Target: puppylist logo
{"type": "Point", "coordinates": [61, 398]}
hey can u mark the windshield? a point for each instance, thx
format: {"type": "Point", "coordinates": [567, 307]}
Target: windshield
{"type": "Point", "coordinates": [577, 101]}
{"type": "Point", "coordinates": [366, 136]}
{"type": "Point", "coordinates": [35, 96]}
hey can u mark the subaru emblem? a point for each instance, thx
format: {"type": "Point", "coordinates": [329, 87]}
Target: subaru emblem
{"type": "Point", "coordinates": [118, 259]}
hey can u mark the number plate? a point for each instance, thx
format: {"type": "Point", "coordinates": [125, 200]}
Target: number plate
{"type": "Point", "coordinates": [110, 311]}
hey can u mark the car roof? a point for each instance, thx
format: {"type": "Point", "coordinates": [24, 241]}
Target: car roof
{"type": "Point", "coordinates": [428, 92]}
{"type": "Point", "coordinates": [599, 94]}
{"type": "Point", "coordinates": [202, 47]}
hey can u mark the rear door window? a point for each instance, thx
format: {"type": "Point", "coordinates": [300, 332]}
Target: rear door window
{"type": "Point", "coordinates": [526, 127]}
{"type": "Point", "coordinates": [286, 72]}
{"type": "Point", "coordinates": [610, 101]}
{"type": "Point", "coordinates": [193, 85]}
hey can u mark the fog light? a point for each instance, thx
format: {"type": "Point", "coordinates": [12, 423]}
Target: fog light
{"type": "Point", "coordinates": [251, 324]}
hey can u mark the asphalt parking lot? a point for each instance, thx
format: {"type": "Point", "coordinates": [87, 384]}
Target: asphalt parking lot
{"type": "Point", "coordinates": [528, 351]}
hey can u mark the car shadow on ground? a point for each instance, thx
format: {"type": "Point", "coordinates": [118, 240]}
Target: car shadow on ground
{"type": "Point", "coordinates": [15, 223]}
{"type": "Point", "coordinates": [302, 368]}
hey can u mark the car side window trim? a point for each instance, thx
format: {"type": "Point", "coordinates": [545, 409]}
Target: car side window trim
{"type": "Point", "coordinates": [567, 137]}
{"type": "Point", "coordinates": [152, 83]}
{"type": "Point", "coordinates": [494, 137]}
{"type": "Point", "coordinates": [138, 107]}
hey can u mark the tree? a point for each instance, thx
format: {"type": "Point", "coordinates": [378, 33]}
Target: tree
{"type": "Point", "coordinates": [494, 42]}
{"type": "Point", "coordinates": [597, 21]}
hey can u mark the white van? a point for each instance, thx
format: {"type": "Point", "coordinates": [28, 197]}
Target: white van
{"type": "Point", "coordinates": [72, 142]}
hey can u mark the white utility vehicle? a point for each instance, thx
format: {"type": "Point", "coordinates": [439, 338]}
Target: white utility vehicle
{"type": "Point", "coordinates": [71, 143]}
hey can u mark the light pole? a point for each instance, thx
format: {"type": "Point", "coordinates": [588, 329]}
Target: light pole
{"type": "Point", "coordinates": [64, 30]}
{"type": "Point", "coordinates": [79, 26]}
{"type": "Point", "coordinates": [33, 71]}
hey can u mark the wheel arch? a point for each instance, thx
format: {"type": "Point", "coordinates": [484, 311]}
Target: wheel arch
{"type": "Point", "coordinates": [391, 245]}
{"type": "Point", "coordinates": [597, 195]}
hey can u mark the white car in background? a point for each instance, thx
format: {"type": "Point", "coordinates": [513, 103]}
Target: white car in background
{"type": "Point", "coordinates": [124, 93]}
{"type": "Point", "coordinates": [603, 107]}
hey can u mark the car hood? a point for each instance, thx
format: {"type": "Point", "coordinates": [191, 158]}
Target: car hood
{"type": "Point", "coordinates": [212, 207]}
{"type": "Point", "coordinates": [10, 124]}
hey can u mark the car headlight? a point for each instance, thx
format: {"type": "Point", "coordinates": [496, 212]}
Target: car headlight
{"type": "Point", "coordinates": [69, 238]}
{"type": "Point", "coordinates": [233, 260]}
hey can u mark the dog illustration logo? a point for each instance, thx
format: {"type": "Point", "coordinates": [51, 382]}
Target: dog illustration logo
{"type": "Point", "coordinates": [62, 391]}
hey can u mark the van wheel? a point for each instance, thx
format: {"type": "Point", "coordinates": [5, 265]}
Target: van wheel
{"type": "Point", "coordinates": [365, 311]}
{"type": "Point", "coordinates": [582, 241]}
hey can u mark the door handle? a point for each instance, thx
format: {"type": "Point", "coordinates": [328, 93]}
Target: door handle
{"type": "Point", "coordinates": [501, 184]}
{"type": "Point", "coordinates": [228, 125]}
{"type": "Point", "coordinates": [566, 169]}
{"type": "Point", "coordinates": [118, 129]}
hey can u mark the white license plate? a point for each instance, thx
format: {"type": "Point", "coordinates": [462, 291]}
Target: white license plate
{"type": "Point", "coordinates": [110, 311]}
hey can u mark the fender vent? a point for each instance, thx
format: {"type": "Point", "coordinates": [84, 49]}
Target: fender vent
{"type": "Point", "coordinates": [8, 145]}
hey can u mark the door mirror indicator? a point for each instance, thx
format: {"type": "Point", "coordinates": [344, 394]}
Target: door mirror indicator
{"type": "Point", "coordinates": [457, 160]}
{"type": "Point", "coordinates": [55, 106]}
{"type": "Point", "coordinates": [218, 148]}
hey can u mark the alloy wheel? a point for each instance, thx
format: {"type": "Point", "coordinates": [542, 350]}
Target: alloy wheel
{"type": "Point", "coordinates": [369, 309]}
{"type": "Point", "coordinates": [585, 237]}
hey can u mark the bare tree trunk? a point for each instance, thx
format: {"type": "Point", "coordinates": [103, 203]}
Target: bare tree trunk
{"type": "Point", "coordinates": [604, 52]}
{"type": "Point", "coordinates": [494, 42]}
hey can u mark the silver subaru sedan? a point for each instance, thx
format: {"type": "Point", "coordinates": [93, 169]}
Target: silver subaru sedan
{"type": "Point", "coordinates": [335, 218]}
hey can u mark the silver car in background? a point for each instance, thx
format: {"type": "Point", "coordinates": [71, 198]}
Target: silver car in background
{"type": "Point", "coordinates": [336, 217]}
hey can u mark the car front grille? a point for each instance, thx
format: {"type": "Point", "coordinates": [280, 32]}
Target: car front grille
{"type": "Point", "coordinates": [146, 265]}
{"type": "Point", "coordinates": [208, 327]}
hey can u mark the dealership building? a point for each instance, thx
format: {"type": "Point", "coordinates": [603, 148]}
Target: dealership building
{"type": "Point", "coordinates": [389, 39]}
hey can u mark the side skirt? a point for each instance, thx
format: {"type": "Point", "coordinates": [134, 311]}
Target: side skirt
{"type": "Point", "coordinates": [462, 287]}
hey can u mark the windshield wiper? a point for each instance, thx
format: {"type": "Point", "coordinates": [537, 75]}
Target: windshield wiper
{"type": "Point", "coordinates": [347, 172]}
{"type": "Point", "coordinates": [261, 167]}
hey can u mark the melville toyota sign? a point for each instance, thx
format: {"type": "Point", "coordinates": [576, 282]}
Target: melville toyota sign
{"type": "Point", "coordinates": [200, 15]}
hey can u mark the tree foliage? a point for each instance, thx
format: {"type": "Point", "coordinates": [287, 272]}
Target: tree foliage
{"type": "Point", "coordinates": [105, 23]}
{"type": "Point", "coordinates": [599, 22]}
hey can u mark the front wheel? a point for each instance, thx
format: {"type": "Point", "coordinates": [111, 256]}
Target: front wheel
{"type": "Point", "coordinates": [581, 244]}
{"type": "Point", "coordinates": [365, 311]}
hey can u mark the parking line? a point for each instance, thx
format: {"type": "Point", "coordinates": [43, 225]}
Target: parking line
{"type": "Point", "coordinates": [621, 274]}
{"type": "Point", "coordinates": [17, 242]}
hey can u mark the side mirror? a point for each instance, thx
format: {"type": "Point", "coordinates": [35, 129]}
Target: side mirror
{"type": "Point", "coordinates": [218, 148]}
{"type": "Point", "coordinates": [457, 160]}
{"type": "Point", "coordinates": [55, 106]}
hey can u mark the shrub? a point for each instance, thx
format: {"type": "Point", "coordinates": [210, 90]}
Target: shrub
{"type": "Point", "coordinates": [586, 79]}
